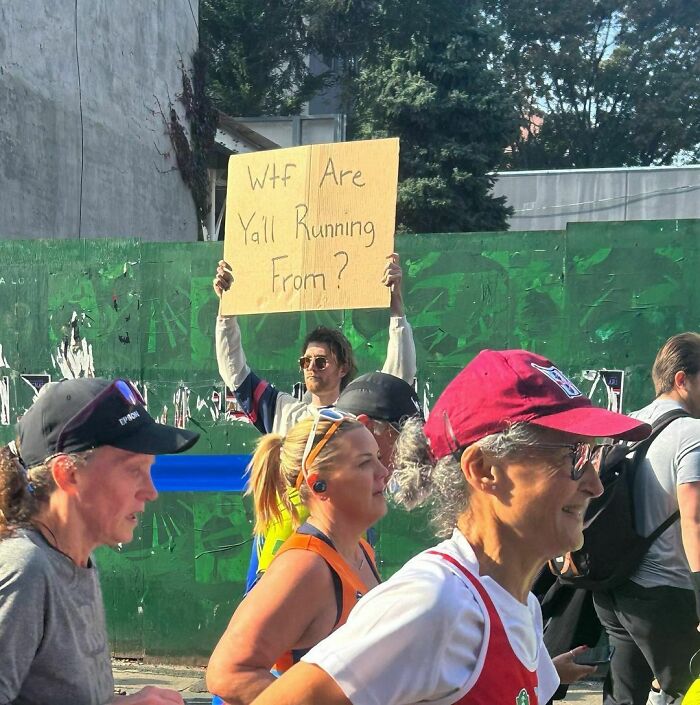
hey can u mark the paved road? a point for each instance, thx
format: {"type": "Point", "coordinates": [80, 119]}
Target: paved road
{"type": "Point", "coordinates": [130, 677]}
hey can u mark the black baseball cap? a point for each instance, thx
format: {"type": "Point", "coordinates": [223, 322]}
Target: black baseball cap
{"type": "Point", "coordinates": [79, 414]}
{"type": "Point", "coordinates": [380, 396]}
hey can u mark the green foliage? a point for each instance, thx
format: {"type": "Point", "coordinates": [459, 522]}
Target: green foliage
{"type": "Point", "coordinates": [422, 70]}
{"type": "Point", "coordinates": [595, 83]}
{"type": "Point", "coordinates": [258, 50]}
{"type": "Point", "coordinates": [616, 83]}
{"type": "Point", "coordinates": [440, 91]}
{"type": "Point", "coordinates": [203, 119]}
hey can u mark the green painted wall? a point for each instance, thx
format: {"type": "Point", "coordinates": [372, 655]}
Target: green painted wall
{"type": "Point", "coordinates": [593, 296]}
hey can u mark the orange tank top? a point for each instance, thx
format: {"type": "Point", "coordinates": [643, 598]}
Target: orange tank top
{"type": "Point", "coordinates": [352, 585]}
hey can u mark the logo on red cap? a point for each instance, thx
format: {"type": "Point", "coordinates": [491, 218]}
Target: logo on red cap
{"type": "Point", "coordinates": [560, 379]}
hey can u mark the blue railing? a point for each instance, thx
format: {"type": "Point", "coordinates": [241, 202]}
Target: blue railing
{"type": "Point", "coordinates": [200, 473]}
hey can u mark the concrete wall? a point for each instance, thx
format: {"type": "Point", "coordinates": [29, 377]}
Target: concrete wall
{"type": "Point", "coordinates": [548, 200]}
{"type": "Point", "coordinates": [80, 144]}
{"type": "Point", "coordinates": [593, 296]}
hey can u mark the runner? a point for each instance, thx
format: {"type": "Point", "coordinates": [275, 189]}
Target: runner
{"type": "Point", "coordinates": [323, 569]}
{"type": "Point", "coordinates": [507, 462]}
{"type": "Point", "coordinates": [81, 478]}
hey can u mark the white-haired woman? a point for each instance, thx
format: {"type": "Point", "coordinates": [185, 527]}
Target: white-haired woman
{"type": "Point", "coordinates": [507, 462]}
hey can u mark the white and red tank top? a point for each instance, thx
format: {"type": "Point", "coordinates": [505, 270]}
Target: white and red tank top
{"type": "Point", "coordinates": [503, 679]}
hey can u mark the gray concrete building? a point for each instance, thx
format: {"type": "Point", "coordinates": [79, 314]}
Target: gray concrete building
{"type": "Point", "coordinates": [83, 149]}
{"type": "Point", "coordinates": [548, 200]}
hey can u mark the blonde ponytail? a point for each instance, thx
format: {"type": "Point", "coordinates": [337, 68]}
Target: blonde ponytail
{"type": "Point", "coordinates": [267, 484]}
{"type": "Point", "coordinates": [276, 465]}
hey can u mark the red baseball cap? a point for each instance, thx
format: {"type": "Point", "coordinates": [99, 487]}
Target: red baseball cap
{"type": "Point", "coordinates": [502, 387]}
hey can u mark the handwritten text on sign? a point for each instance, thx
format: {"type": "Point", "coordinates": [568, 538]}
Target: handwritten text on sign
{"type": "Point", "coordinates": [309, 228]}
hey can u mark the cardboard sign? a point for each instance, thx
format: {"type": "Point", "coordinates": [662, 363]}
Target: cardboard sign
{"type": "Point", "coordinates": [310, 228]}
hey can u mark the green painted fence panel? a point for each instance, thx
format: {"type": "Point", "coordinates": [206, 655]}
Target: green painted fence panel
{"type": "Point", "coordinates": [594, 296]}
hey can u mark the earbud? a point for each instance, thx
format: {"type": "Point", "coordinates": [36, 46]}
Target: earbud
{"type": "Point", "coordinates": [319, 487]}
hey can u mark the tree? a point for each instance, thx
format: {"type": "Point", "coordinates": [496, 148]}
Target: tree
{"type": "Point", "coordinates": [613, 83]}
{"type": "Point", "coordinates": [423, 70]}
{"type": "Point", "coordinates": [258, 51]}
{"type": "Point", "coordinates": [439, 89]}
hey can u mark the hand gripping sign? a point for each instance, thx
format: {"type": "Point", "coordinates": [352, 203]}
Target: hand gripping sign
{"type": "Point", "coordinates": [309, 228]}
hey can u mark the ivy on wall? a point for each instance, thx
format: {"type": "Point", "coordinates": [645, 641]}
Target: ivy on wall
{"type": "Point", "coordinates": [192, 144]}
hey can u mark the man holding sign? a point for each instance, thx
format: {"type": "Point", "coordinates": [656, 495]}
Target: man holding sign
{"type": "Point", "coordinates": [327, 361]}
{"type": "Point", "coordinates": [327, 364]}
{"type": "Point", "coordinates": [311, 224]}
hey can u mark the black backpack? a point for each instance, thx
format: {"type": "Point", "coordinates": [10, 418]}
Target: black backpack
{"type": "Point", "coordinates": [612, 549]}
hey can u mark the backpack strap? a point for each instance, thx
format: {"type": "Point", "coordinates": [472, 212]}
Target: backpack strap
{"type": "Point", "coordinates": [640, 450]}
{"type": "Point", "coordinates": [660, 529]}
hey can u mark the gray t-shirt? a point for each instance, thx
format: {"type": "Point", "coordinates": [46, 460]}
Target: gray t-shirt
{"type": "Point", "coordinates": [53, 641]}
{"type": "Point", "coordinates": [673, 459]}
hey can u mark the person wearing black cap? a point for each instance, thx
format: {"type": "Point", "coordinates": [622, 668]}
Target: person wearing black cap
{"type": "Point", "coordinates": [383, 402]}
{"type": "Point", "coordinates": [76, 479]}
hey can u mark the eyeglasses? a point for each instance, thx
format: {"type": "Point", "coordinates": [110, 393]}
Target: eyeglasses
{"type": "Point", "coordinates": [380, 425]}
{"type": "Point", "coordinates": [581, 455]}
{"type": "Point", "coordinates": [312, 450]}
{"type": "Point", "coordinates": [121, 391]}
{"type": "Point", "coordinates": [320, 362]}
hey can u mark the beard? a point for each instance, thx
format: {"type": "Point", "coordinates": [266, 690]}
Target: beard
{"type": "Point", "coordinates": [319, 385]}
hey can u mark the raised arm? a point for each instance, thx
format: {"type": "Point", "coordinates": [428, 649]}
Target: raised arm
{"type": "Point", "coordinates": [230, 357]}
{"type": "Point", "coordinates": [268, 409]}
{"type": "Point", "coordinates": [401, 351]}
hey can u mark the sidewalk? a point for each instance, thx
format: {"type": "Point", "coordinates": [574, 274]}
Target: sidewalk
{"type": "Point", "coordinates": [130, 676]}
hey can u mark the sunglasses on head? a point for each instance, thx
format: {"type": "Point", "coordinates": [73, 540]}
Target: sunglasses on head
{"type": "Point", "coordinates": [121, 391]}
{"type": "Point", "coordinates": [312, 449]}
{"type": "Point", "coordinates": [320, 362]}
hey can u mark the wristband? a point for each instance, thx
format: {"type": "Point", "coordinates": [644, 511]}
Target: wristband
{"type": "Point", "coordinates": [695, 579]}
